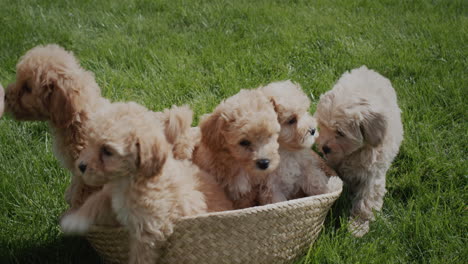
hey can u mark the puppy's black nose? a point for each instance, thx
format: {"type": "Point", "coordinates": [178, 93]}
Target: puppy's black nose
{"type": "Point", "coordinates": [263, 164]}
{"type": "Point", "coordinates": [326, 149]}
{"type": "Point", "coordinates": [82, 167]}
{"type": "Point", "coordinates": [312, 131]}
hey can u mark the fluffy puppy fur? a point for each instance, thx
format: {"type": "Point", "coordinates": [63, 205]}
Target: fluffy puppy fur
{"type": "Point", "coordinates": [51, 86]}
{"type": "Point", "coordinates": [2, 100]}
{"type": "Point", "coordinates": [239, 145]}
{"type": "Point", "coordinates": [360, 135]}
{"type": "Point", "coordinates": [300, 170]}
{"type": "Point", "coordinates": [129, 154]}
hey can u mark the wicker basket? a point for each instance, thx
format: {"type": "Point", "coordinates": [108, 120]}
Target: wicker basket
{"type": "Point", "coordinates": [276, 233]}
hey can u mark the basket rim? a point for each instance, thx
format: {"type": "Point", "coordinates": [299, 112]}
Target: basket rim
{"type": "Point", "coordinates": [266, 206]}
{"type": "Point", "coordinates": [238, 212]}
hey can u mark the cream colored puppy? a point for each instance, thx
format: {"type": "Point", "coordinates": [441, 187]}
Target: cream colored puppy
{"type": "Point", "coordinates": [300, 170]}
{"type": "Point", "coordinates": [148, 189]}
{"type": "Point", "coordinates": [239, 145]}
{"type": "Point", "coordinates": [360, 135]}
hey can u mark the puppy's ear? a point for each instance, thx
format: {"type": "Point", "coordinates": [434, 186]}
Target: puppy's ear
{"type": "Point", "coordinates": [373, 128]}
{"type": "Point", "coordinates": [151, 155]}
{"type": "Point", "coordinates": [60, 107]}
{"type": "Point", "coordinates": [58, 100]}
{"type": "Point", "coordinates": [211, 129]}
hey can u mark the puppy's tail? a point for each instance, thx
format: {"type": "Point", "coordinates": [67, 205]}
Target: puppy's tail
{"type": "Point", "coordinates": [178, 122]}
{"type": "Point", "coordinates": [179, 132]}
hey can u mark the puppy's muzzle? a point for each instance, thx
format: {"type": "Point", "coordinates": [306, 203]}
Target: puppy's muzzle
{"type": "Point", "coordinates": [326, 149]}
{"type": "Point", "coordinates": [263, 164]}
{"type": "Point", "coordinates": [82, 167]}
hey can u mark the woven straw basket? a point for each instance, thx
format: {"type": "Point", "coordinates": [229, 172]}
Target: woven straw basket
{"type": "Point", "coordinates": [276, 233]}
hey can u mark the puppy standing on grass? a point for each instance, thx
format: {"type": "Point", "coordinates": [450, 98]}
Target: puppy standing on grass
{"type": "Point", "coordinates": [51, 86]}
{"type": "Point", "coordinates": [239, 145]}
{"type": "Point", "coordinates": [360, 135]}
{"type": "Point", "coordinates": [129, 154]}
{"type": "Point", "coordinates": [301, 171]}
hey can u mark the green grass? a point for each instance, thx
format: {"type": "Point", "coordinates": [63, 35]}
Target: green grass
{"type": "Point", "coordinates": [160, 53]}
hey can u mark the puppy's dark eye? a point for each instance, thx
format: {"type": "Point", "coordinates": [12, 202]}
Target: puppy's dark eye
{"type": "Point", "coordinates": [105, 151]}
{"type": "Point", "coordinates": [339, 133]}
{"type": "Point", "coordinates": [245, 143]}
{"type": "Point", "coordinates": [26, 88]}
{"type": "Point", "coordinates": [292, 121]}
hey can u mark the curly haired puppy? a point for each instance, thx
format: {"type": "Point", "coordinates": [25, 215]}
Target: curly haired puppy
{"type": "Point", "coordinates": [129, 154]}
{"type": "Point", "coordinates": [300, 170]}
{"type": "Point", "coordinates": [239, 145]}
{"type": "Point", "coordinates": [360, 135]}
{"type": "Point", "coordinates": [51, 86]}
{"type": "Point", "coordinates": [2, 100]}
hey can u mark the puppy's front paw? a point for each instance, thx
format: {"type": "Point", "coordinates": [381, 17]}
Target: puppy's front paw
{"type": "Point", "coordinates": [334, 184]}
{"type": "Point", "coordinates": [75, 224]}
{"type": "Point", "coordinates": [358, 227]}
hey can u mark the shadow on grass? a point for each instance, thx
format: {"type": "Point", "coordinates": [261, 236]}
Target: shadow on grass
{"type": "Point", "coordinates": [61, 250]}
{"type": "Point", "coordinates": [339, 211]}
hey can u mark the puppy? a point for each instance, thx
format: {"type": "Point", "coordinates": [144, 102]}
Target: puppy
{"type": "Point", "coordinates": [239, 145]}
{"type": "Point", "coordinates": [149, 190]}
{"type": "Point", "coordinates": [2, 100]}
{"type": "Point", "coordinates": [360, 135]}
{"type": "Point", "coordinates": [51, 86]}
{"type": "Point", "coordinates": [300, 170]}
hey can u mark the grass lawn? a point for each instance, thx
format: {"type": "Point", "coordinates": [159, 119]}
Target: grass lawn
{"type": "Point", "coordinates": [160, 53]}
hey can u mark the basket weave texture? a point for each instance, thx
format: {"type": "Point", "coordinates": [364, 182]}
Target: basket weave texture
{"type": "Point", "coordinates": [276, 233]}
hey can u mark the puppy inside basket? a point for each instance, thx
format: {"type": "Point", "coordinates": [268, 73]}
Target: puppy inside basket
{"type": "Point", "coordinates": [148, 189]}
{"type": "Point", "coordinates": [239, 145]}
{"type": "Point", "coordinates": [301, 171]}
